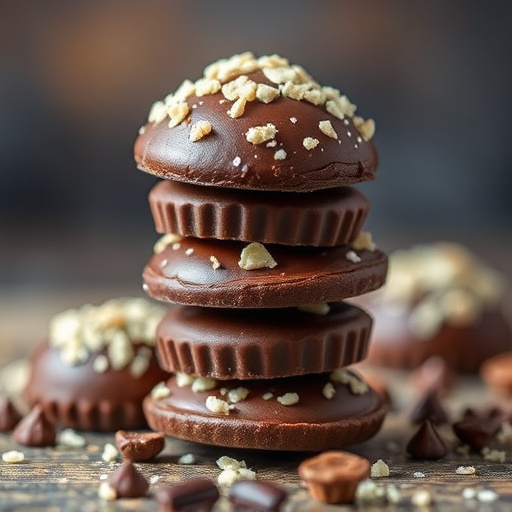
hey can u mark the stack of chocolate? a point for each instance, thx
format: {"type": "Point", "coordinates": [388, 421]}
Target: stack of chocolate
{"type": "Point", "coordinates": [262, 243]}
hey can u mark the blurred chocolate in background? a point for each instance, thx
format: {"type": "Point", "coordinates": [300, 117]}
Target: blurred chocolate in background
{"type": "Point", "coordinates": [77, 80]}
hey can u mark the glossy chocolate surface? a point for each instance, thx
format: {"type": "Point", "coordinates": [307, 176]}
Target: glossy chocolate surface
{"type": "Point", "coordinates": [314, 423]}
{"type": "Point", "coordinates": [80, 398]}
{"type": "Point", "coordinates": [323, 218]}
{"type": "Point", "coordinates": [302, 275]}
{"type": "Point", "coordinates": [168, 152]}
{"type": "Point", "coordinates": [253, 344]}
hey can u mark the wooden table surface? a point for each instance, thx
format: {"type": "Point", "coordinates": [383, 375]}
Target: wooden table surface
{"type": "Point", "coordinates": [68, 478]}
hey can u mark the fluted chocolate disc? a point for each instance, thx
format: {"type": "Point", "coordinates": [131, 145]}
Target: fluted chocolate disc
{"type": "Point", "coordinates": [206, 273]}
{"type": "Point", "coordinates": [323, 218]}
{"type": "Point", "coordinates": [262, 420]}
{"type": "Point", "coordinates": [254, 344]}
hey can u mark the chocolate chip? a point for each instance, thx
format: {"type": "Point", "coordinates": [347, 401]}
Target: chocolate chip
{"type": "Point", "coordinates": [477, 431]}
{"type": "Point", "coordinates": [139, 447]}
{"type": "Point", "coordinates": [427, 443]}
{"type": "Point", "coordinates": [196, 495]}
{"type": "Point", "coordinates": [256, 496]}
{"type": "Point", "coordinates": [34, 429]}
{"type": "Point", "coordinates": [429, 408]}
{"type": "Point", "coordinates": [9, 415]}
{"type": "Point", "coordinates": [128, 482]}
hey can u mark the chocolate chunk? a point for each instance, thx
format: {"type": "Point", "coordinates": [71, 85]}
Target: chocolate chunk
{"type": "Point", "coordinates": [476, 430]}
{"type": "Point", "coordinates": [34, 429]}
{"type": "Point", "coordinates": [9, 415]}
{"type": "Point", "coordinates": [332, 477]}
{"type": "Point", "coordinates": [251, 495]}
{"type": "Point", "coordinates": [138, 447]}
{"type": "Point", "coordinates": [128, 482]}
{"type": "Point", "coordinates": [429, 408]}
{"type": "Point", "coordinates": [427, 443]}
{"type": "Point", "coordinates": [197, 495]}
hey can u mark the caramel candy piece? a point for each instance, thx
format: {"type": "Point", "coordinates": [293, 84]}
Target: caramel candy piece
{"type": "Point", "coordinates": [34, 429]}
{"type": "Point", "coordinates": [251, 495]}
{"type": "Point", "coordinates": [139, 447]}
{"type": "Point", "coordinates": [127, 482]}
{"type": "Point", "coordinates": [197, 495]}
{"type": "Point", "coordinates": [332, 476]}
{"type": "Point", "coordinates": [9, 415]}
{"type": "Point", "coordinates": [427, 443]}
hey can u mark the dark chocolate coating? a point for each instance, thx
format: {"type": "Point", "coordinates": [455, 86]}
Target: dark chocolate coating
{"type": "Point", "coordinates": [323, 218]}
{"type": "Point", "coordinates": [168, 152]}
{"type": "Point", "coordinates": [255, 344]}
{"type": "Point", "coordinates": [80, 398]}
{"type": "Point", "coordinates": [463, 348]}
{"type": "Point", "coordinates": [314, 423]}
{"type": "Point", "coordinates": [302, 276]}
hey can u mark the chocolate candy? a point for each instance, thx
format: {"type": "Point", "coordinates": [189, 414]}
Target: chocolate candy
{"type": "Point", "coordinates": [35, 429]}
{"type": "Point", "coordinates": [127, 482]}
{"type": "Point", "coordinates": [254, 344]}
{"type": "Point", "coordinates": [291, 413]}
{"type": "Point", "coordinates": [139, 446]}
{"type": "Point", "coordinates": [324, 218]}
{"type": "Point", "coordinates": [427, 443]}
{"type": "Point", "coordinates": [332, 477]}
{"type": "Point", "coordinates": [185, 273]}
{"type": "Point", "coordinates": [257, 496]}
{"type": "Point", "coordinates": [429, 408]}
{"type": "Point", "coordinates": [477, 431]}
{"type": "Point", "coordinates": [196, 495]}
{"type": "Point", "coordinates": [9, 415]}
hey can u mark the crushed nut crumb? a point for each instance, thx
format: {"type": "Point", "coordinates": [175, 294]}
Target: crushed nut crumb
{"type": "Point", "coordinates": [268, 396]}
{"type": "Point", "coordinates": [255, 256]}
{"type": "Point", "coordinates": [418, 474]}
{"type": "Point", "coordinates": [164, 241]}
{"type": "Point", "coordinates": [13, 457]}
{"type": "Point", "coordinates": [366, 128]}
{"type": "Point", "coordinates": [189, 251]}
{"type": "Point", "coordinates": [183, 380]}
{"type": "Point", "coordinates": [356, 385]}
{"type": "Point", "coordinates": [259, 134]}
{"type": "Point", "coordinates": [203, 384]}
{"type": "Point", "coordinates": [288, 399]}
{"type": "Point", "coordinates": [215, 262]}
{"type": "Point", "coordinates": [70, 438]}
{"type": "Point", "coordinates": [199, 130]}
{"type": "Point", "coordinates": [379, 469]}
{"type": "Point", "coordinates": [177, 112]}
{"type": "Point", "coordinates": [363, 242]}
{"type": "Point", "coordinates": [353, 257]}
{"type": "Point", "coordinates": [187, 459]}
{"type": "Point", "coordinates": [160, 391]}
{"type": "Point", "coordinates": [271, 144]}
{"type": "Point", "coordinates": [465, 470]}
{"type": "Point", "coordinates": [421, 498]}
{"type": "Point", "coordinates": [217, 405]}
{"type": "Point", "coordinates": [328, 391]}
{"type": "Point", "coordinates": [237, 395]}
{"type": "Point", "coordinates": [369, 492]}
{"type": "Point", "coordinates": [280, 154]}
{"type": "Point", "coordinates": [238, 108]}
{"type": "Point", "coordinates": [266, 94]}
{"type": "Point", "coordinates": [237, 161]}
{"type": "Point", "coordinates": [206, 86]}
{"type": "Point", "coordinates": [494, 455]}
{"type": "Point", "coordinates": [293, 120]}
{"type": "Point", "coordinates": [327, 129]}
{"type": "Point", "coordinates": [100, 363]}
{"type": "Point", "coordinates": [469, 493]}
{"type": "Point", "coordinates": [486, 496]}
{"type": "Point", "coordinates": [233, 470]}
{"type": "Point", "coordinates": [110, 453]}
{"type": "Point", "coordinates": [107, 492]}
{"type": "Point", "coordinates": [393, 495]}
{"type": "Point", "coordinates": [310, 143]}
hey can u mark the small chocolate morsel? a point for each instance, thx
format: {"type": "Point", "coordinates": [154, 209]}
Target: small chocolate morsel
{"type": "Point", "coordinates": [476, 430]}
{"type": "Point", "coordinates": [196, 495]}
{"type": "Point", "coordinates": [333, 476]}
{"type": "Point", "coordinates": [429, 408]}
{"type": "Point", "coordinates": [251, 495]}
{"type": "Point", "coordinates": [137, 446]}
{"type": "Point", "coordinates": [9, 415]}
{"type": "Point", "coordinates": [34, 429]}
{"type": "Point", "coordinates": [128, 482]}
{"type": "Point", "coordinates": [427, 443]}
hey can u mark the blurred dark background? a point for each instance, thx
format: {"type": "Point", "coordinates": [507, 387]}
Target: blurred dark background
{"type": "Point", "coordinates": [77, 80]}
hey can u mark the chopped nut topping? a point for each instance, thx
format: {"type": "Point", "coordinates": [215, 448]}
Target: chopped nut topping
{"type": "Point", "coordinates": [315, 309]}
{"type": "Point", "coordinates": [188, 458]}
{"type": "Point", "coordinates": [164, 241]}
{"type": "Point", "coordinates": [271, 144]}
{"type": "Point", "coordinates": [486, 496]}
{"type": "Point", "coordinates": [238, 108]}
{"type": "Point", "coordinates": [280, 75]}
{"type": "Point", "coordinates": [465, 470]}
{"type": "Point", "coordinates": [110, 453]}
{"type": "Point", "coordinates": [379, 469]}
{"type": "Point", "coordinates": [183, 380]}
{"type": "Point", "coordinates": [217, 405]}
{"type": "Point", "coordinates": [199, 130]}
{"type": "Point", "coordinates": [315, 96]}
{"type": "Point", "coordinates": [158, 112]}
{"type": "Point", "coordinates": [237, 395]}
{"type": "Point", "coordinates": [255, 256]}
{"type": "Point", "coordinates": [160, 391]}
{"type": "Point", "coordinates": [310, 143]}
{"type": "Point", "coordinates": [184, 91]}
{"type": "Point", "coordinates": [294, 91]}
{"type": "Point", "coordinates": [418, 474]}
{"type": "Point", "coordinates": [327, 129]}
{"type": "Point", "coordinates": [139, 365]}
{"type": "Point", "coordinates": [328, 391]}
{"type": "Point", "coordinates": [215, 262]}
{"type": "Point", "coordinates": [189, 251]}
{"type": "Point", "coordinates": [288, 399]}
{"type": "Point", "coordinates": [206, 86]}
{"type": "Point", "coordinates": [266, 94]}
{"type": "Point", "coordinates": [177, 112]}
{"type": "Point", "coordinates": [100, 364]}
{"type": "Point", "coordinates": [421, 498]}
{"type": "Point", "coordinates": [353, 257]}
{"type": "Point", "coordinates": [293, 120]}
{"type": "Point", "coordinates": [268, 396]}
{"type": "Point", "coordinates": [365, 128]}
{"type": "Point", "coordinates": [494, 455]}
{"type": "Point", "coordinates": [237, 161]}
{"type": "Point", "coordinates": [368, 492]}
{"type": "Point", "coordinates": [259, 134]}
{"type": "Point", "coordinates": [363, 242]}
{"type": "Point", "coordinates": [356, 385]}
{"type": "Point", "coordinates": [107, 492]}
{"type": "Point", "coordinates": [70, 438]}
{"type": "Point", "coordinates": [280, 154]}
{"type": "Point", "coordinates": [13, 457]}
{"type": "Point", "coordinates": [333, 108]}
{"type": "Point", "coordinates": [203, 384]}
{"type": "Point", "coordinates": [233, 470]}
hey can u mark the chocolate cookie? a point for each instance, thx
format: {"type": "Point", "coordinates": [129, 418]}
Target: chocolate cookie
{"type": "Point", "coordinates": [324, 218]}
{"type": "Point", "coordinates": [261, 125]}
{"type": "Point", "coordinates": [307, 413]}
{"type": "Point", "coordinates": [256, 344]}
{"type": "Point", "coordinates": [207, 273]}
{"type": "Point", "coordinates": [97, 365]}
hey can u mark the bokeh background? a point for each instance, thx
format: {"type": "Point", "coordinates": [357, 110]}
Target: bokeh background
{"type": "Point", "coordinates": [77, 80]}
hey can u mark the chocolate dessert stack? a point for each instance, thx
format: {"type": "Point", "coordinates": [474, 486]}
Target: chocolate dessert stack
{"type": "Point", "coordinates": [262, 243]}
